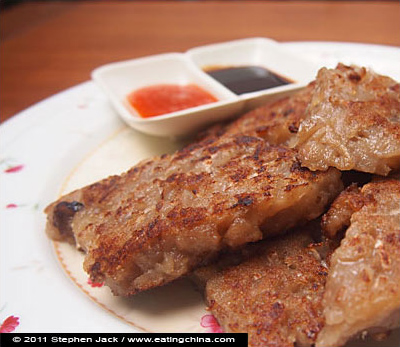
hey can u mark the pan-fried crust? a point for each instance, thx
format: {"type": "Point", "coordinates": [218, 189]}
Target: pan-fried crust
{"type": "Point", "coordinates": [339, 214]}
{"type": "Point", "coordinates": [274, 295]}
{"type": "Point", "coordinates": [363, 286]}
{"type": "Point", "coordinates": [172, 213]}
{"type": "Point", "coordinates": [352, 122]}
{"type": "Point", "coordinates": [276, 122]}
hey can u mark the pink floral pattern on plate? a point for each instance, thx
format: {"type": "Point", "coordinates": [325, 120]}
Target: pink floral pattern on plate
{"type": "Point", "coordinates": [15, 168]}
{"type": "Point", "coordinates": [209, 321]}
{"type": "Point", "coordinates": [94, 284]}
{"type": "Point", "coordinates": [9, 324]}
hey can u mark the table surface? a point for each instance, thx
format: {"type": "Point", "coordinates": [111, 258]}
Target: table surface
{"type": "Point", "coordinates": [49, 46]}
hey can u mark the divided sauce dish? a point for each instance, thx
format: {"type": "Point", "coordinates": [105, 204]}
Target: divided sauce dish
{"type": "Point", "coordinates": [120, 79]}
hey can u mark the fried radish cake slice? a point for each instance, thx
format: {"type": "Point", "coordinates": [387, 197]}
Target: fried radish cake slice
{"type": "Point", "coordinates": [167, 215]}
{"type": "Point", "coordinates": [352, 122]}
{"type": "Point", "coordinates": [363, 286]}
{"type": "Point", "coordinates": [277, 122]}
{"type": "Point", "coordinates": [275, 294]}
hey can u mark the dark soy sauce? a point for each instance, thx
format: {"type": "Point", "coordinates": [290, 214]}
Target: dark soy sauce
{"type": "Point", "coordinates": [246, 79]}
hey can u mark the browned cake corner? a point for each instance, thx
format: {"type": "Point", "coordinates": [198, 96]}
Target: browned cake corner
{"type": "Point", "coordinates": [363, 286]}
{"type": "Point", "coordinates": [172, 213]}
{"type": "Point", "coordinates": [275, 294]}
{"type": "Point", "coordinates": [277, 122]}
{"type": "Point", "coordinates": [352, 122]}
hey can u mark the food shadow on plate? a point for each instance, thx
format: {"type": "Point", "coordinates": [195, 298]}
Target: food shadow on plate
{"type": "Point", "coordinates": [392, 340]}
{"type": "Point", "coordinates": [179, 295]}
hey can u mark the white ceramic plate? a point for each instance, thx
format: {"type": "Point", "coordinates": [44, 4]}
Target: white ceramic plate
{"type": "Point", "coordinates": [75, 138]}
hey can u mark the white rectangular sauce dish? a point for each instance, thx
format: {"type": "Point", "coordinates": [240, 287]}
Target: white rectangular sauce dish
{"type": "Point", "coordinates": [120, 79]}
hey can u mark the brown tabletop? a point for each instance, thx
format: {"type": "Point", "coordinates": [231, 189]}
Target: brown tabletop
{"type": "Point", "coordinates": [49, 46]}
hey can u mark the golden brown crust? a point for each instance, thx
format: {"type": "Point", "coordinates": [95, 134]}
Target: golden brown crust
{"type": "Point", "coordinates": [338, 216]}
{"type": "Point", "coordinates": [172, 213]}
{"type": "Point", "coordinates": [352, 122]}
{"type": "Point", "coordinates": [363, 286]}
{"type": "Point", "coordinates": [275, 295]}
{"type": "Point", "coordinates": [276, 122]}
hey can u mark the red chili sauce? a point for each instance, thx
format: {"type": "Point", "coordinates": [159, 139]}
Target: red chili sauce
{"type": "Point", "coordinates": [166, 98]}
